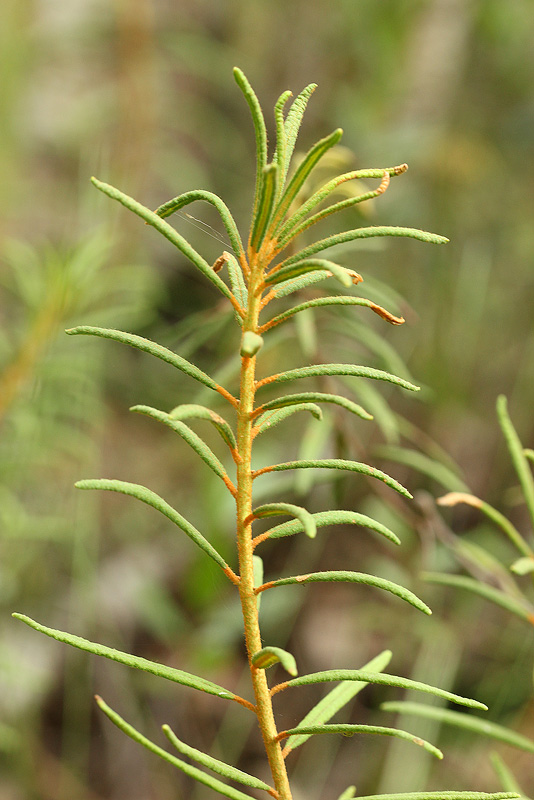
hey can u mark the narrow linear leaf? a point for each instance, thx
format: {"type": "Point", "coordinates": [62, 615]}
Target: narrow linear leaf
{"type": "Point", "coordinates": [333, 301]}
{"type": "Point", "coordinates": [269, 419]}
{"type": "Point", "coordinates": [296, 284]}
{"type": "Point", "coordinates": [323, 370]}
{"type": "Point", "coordinates": [193, 772]}
{"type": "Point", "coordinates": [521, 465]}
{"type": "Point", "coordinates": [345, 276]}
{"type": "Point", "coordinates": [343, 576]}
{"type": "Point", "coordinates": [460, 720]}
{"type": "Point", "coordinates": [523, 610]}
{"type": "Point", "coordinates": [316, 397]}
{"type": "Point", "coordinates": [341, 517]}
{"type": "Point", "coordinates": [193, 440]}
{"type": "Point", "coordinates": [303, 170]}
{"type": "Point", "coordinates": [364, 233]}
{"type": "Point", "coordinates": [268, 656]}
{"type": "Point", "coordinates": [523, 566]}
{"type": "Point", "coordinates": [334, 701]}
{"type": "Point", "coordinates": [156, 350]}
{"type": "Point", "coordinates": [152, 499]}
{"type": "Point", "coordinates": [293, 121]}
{"type": "Point", "coordinates": [442, 796]}
{"type": "Point", "coordinates": [162, 671]}
{"type": "Point", "coordinates": [171, 206]}
{"type": "Point", "coordinates": [264, 211]}
{"type": "Point", "coordinates": [168, 231]}
{"type": "Point", "coordinates": [327, 189]}
{"type": "Point", "coordinates": [368, 676]}
{"type": "Point", "coordinates": [227, 771]}
{"type": "Point", "coordinates": [195, 411]}
{"type": "Point", "coordinates": [259, 129]}
{"type": "Point", "coordinates": [275, 509]}
{"type": "Point", "coordinates": [350, 730]}
{"type": "Point", "coordinates": [235, 274]}
{"type": "Point", "coordinates": [454, 498]}
{"type": "Point", "coordinates": [281, 140]}
{"type": "Point", "coordinates": [338, 463]}
{"type": "Point", "coordinates": [528, 452]}
{"type": "Point", "coordinates": [505, 775]}
{"type": "Point", "coordinates": [348, 794]}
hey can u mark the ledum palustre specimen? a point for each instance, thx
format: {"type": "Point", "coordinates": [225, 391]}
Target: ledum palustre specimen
{"type": "Point", "coordinates": [254, 278]}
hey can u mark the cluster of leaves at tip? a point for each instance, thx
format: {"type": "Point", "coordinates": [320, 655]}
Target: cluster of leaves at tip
{"type": "Point", "coordinates": [257, 274]}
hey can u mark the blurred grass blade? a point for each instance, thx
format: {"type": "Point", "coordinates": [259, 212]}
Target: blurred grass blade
{"type": "Point", "coordinates": [341, 517]}
{"type": "Point", "coordinates": [156, 350]}
{"type": "Point", "coordinates": [337, 463]}
{"type": "Point", "coordinates": [315, 397]}
{"type": "Point", "coordinates": [168, 231]}
{"type": "Point", "coordinates": [154, 668]}
{"type": "Point", "coordinates": [195, 411]}
{"type": "Point", "coordinates": [319, 302]}
{"type": "Point", "coordinates": [505, 775]}
{"type": "Point", "coordinates": [193, 772]}
{"type": "Point", "coordinates": [344, 576]}
{"type": "Point", "coordinates": [260, 132]}
{"type": "Point", "coordinates": [350, 730]}
{"type": "Point", "coordinates": [348, 794]}
{"type": "Point", "coordinates": [324, 370]}
{"type": "Point", "coordinates": [521, 465]}
{"type": "Point", "coordinates": [268, 656]}
{"type": "Point", "coordinates": [524, 610]}
{"type": "Point", "coordinates": [334, 701]}
{"type": "Point", "coordinates": [364, 233]}
{"type": "Point", "coordinates": [423, 464]}
{"type": "Point", "coordinates": [275, 509]}
{"type": "Point", "coordinates": [193, 440]}
{"type": "Point", "coordinates": [461, 720]}
{"type": "Point", "coordinates": [171, 206]}
{"type": "Point", "coordinates": [442, 796]}
{"type": "Point", "coordinates": [232, 773]}
{"type": "Point", "coordinates": [269, 419]}
{"type": "Point", "coordinates": [152, 499]}
{"type": "Point", "coordinates": [369, 676]}
{"type": "Point", "coordinates": [454, 498]}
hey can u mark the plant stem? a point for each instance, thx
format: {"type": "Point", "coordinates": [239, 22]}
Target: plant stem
{"type": "Point", "coordinates": [264, 709]}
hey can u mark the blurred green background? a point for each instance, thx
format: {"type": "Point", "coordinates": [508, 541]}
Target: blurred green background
{"type": "Point", "coordinates": [141, 94]}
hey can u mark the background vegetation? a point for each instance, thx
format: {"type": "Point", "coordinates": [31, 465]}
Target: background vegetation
{"type": "Point", "coordinates": [140, 93]}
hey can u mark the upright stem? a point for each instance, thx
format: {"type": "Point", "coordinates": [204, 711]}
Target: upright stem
{"type": "Point", "coordinates": [264, 709]}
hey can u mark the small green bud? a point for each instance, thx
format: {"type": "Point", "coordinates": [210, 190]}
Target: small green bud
{"type": "Point", "coordinates": [250, 343]}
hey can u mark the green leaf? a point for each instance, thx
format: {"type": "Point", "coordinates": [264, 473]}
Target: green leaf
{"type": "Point", "coordinates": [524, 610]}
{"type": "Point", "coordinates": [368, 676]}
{"type": "Point", "coordinates": [235, 274]}
{"type": "Point", "coordinates": [344, 276]}
{"type": "Point", "coordinates": [265, 205]}
{"type": "Point", "coordinates": [335, 700]}
{"type": "Point", "coordinates": [281, 140]}
{"type": "Point", "coordinates": [442, 796]}
{"type": "Point", "coordinates": [333, 301]}
{"type": "Point", "coordinates": [523, 566]}
{"type": "Point", "coordinates": [521, 465]}
{"type": "Point", "coordinates": [292, 123]}
{"type": "Point", "coordinates": [315, 397]}
{"type": "Point", "coordinates": [152, 499]}
{"type": "Point", "coordinates": [168, 231]}
{"type": "Point", "coordinates": [348, 794]}
{"type": "Point", "coordinates": [363, 233]}
{"type": "Point", "coordinates": [269, 419]}
{"type": "Point", "coordinates": [162, 671]}
{"type": "Point", "coordinates": [193, 440]}
{"type": "Point", "coordinates": [260, 132]}
{"type": "Point", "coordinates": [232, 773]}
{"type": "Point", "coordinates": [505, 775]}
{"type": "Point", "coordinates": [323, 370]}
{"type": "Point", "coordinates": [350, 730]}
{"type": "Point", "coordinates": [275, 509]}
{"type": "Point", "coordinates": [193, 772]}
{"type": "Point", "coordinates": [461, 720]}
{"type": "Point", "coordinates": [337, 463]}
{"type": "Point", "coordinates": [171, 206]}
{"type": "Point", "coordinates": [156, 350]}
{"type": "Point", "coordinates": [341, 517]}
{"type": "Point", "coordinates": [195, 411]}
{"type": "Point", "coordinates": [296, 284]}
{"type": "Point", "coordinates": [336, 576]}
{"type": "Point", "coordinates": [268, 656]}
{"type": "Point", "coordinates": [301, 173]}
